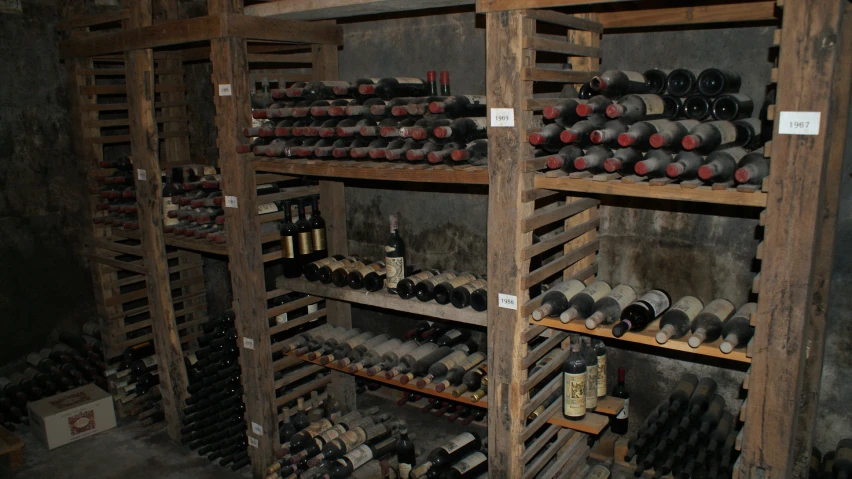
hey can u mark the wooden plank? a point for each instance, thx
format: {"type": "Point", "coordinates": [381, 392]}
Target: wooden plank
{"type": "Point", "coordinates": [122, 89]}
{"type": "Point", "coordinates": [704, 14]}
{"type": "Point", "coordinates": [573, 22]}
{"type": "Point", "coordinates": [117, 264]}
{"type": "Point", "coordinates": [230, 66]}
{"type": "Point", "coordinates": [276, 29]}
{"type": "Point", "coordinates": [297, 322]}
{"type": "Point", "coordinates": [540, 442]}
{"type": "Point", "coordinates": [300, 391]}
{"type": "Point", "coordinates": [532, 469]}
{"type": "Point", "coordinates": [534, 194]}
{"type": "Point", "coordinates": [292, 306]}
{"type": "Point", "coordinates": [559, 239]}
{"type": "Point", "coordinates": [144, 149]}
{"type": "Point", "coordinates": [542, 349]}
{"type": "Point", "coordinates": [90, 20]}
{"type": "Point", "coordinates": [809, 55]}
{"type": "Point", "coordinates": [325, 9]}
{"type": "Point", "coordinates": [334, 169]}
{"type": "Point", "coordinates": [567, 76]}
{"type": "Point", "coordinates": [545, 371]}
{"type": "Point", "coordinates": [280, 58]}
{"type": "Point", "coordinates": [669, 192]}
{"type": "Point", "coordinates": [544, 218]}
{"type": "Point", "coordinates": [297, 374]}
{"type": "Point", "coordinates": [838, 133]}
{"type": "Point", "coordinates": [563, 262]}
{"type": "Point", "coordinates": [126, 122]}
{"type": "Point", "coordinates": [114, 246]}
{"type": "Point", "coordinates": [547, 45]}
{"type": "Point", "coordinates": [383, 299]}
{"type": "Point", "coordinates": [505, 59]}
{"type": "Point", "coordinates": [123, 106]}
{"type": "Point", "coordinates": [289, 194]}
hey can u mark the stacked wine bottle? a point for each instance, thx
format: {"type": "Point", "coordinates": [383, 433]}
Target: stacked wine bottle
{"type": "Point", "coordinates": [379, 119]}
{"type": "Point", "coordinates": [599, 304]}
{"type": "Point", "coordinates": [75, 361]}
{"type": "Point", "coordinates": [834, 464]}
{"type": "Point", "coordinates": [689, 434]}
{"type": "Point", "coordinates": [678, 125]}
{"type": "Point", "coordinates": [117, 206]}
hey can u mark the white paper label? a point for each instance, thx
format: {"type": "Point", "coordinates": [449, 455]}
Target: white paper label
{"type": "Point", "coordinates": [507, 301]}
{"type": "Point", "coordinates": [359, 456]}
{"type": "Point", "coordinates": [458, 442]}
{"type": "Point", "coordinates": [230, 202]}
{"type": "Point", "coordinates": [313, 308]}
{"type": "Point", "coordinates": [257, 429]}
{"type": "Point", "coordinates": [799, 123]}
{"type": "Point", "coordinates": [281, 318]}
{"type": "Point", "coordinates": [502, 117]}
{"type": "Point", "coordinates": [252, 441]}
{"type": "Point", "coordinates": [248, 343]}
{"type": "Point", "coordinates": [141, 175]}
{"type": "Point", "coordinates": [225, 89]}
{"type": "Point", "coordinates": [625, 412]}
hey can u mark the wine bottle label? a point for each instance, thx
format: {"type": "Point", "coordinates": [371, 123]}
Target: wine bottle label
{"type": "Point", "coordinates": [569, 288]}
{"type": "Point", "coordinates": [458, 442]}
{"type": "Point", "coordinates": [281, 318]}
{"type": "Point", "coordinates": [721, 308]}
{"type": "Point", "coordinates": [370, 268]}
{"type": "Point", "coordinates": [331, 434]}
{"type": "Point", "coordinates": [602, 375]}
{"type": "Point", "coordinates": [727, 131]}
{"type": "Point", "coordinates": [475, 99]}
{"type": "Point", "coordinates": [409, 80]}
{"type": "Point", "coordinates": [313, 308]}
{"type": "Point", "coordinates": [332, 84]}
{"type": "Point", "coordinates": [625, 412]}
{"type": "Point", "coordinates": [460, 280]}
{"type": "Point", "coordinates": [266, 208]}
{"type": "Point", "coordinates": [469, 462]}
{"type": "Point", "coordinates": [315, 429]}
{"type": "Point", "coordinates": [358, 456]}
{"type": "Point", "coordinates": [127, 398]}
{"type": "Point", "coordinates": [395, 270]}
{"type": "Point", "coordinates": [353, 438]}
{"type": "Point", "coordinates": [597, 290]}
{"type": "Point", "coordinates": [169, 206]}
{"type": "Point", "coordinates": [689, 305]}
{"type": "Point", "coordinates": [591, 387]}
{"type": "Point", "coordinates": [658, 301]}
{"type": "Point", "coordinates": [843, 453]}
{"type": "Point", "coordinates": [318, 238]}
{"type": "Point", "coordinates": [287, 248]}
{"type": "Point", "coordinates": [746, 311]}
{"type": "Point", "coordinates": [474, 285]}
{"type": "Point", "coordinates": [653, 104]}
{"type": "Point", "coordinates": [150, 361]}
{"type": "Point", "coordinates": [209, 170]}
{"type": "Point", "coordinates": [192, 358]}
{"type": "Point", "coordinates": [322, 262]}
{"type": "Point", "coordinates": [480, 123]}
{"type": "Point", "coordinates": [453, 359]}
{"type": "Point", "coordinates": [635, 76]}
{"type": "Point", "coordinates": [471, 361]}
{"type": "Point", "coordinates": [421, 276]}
{"type": "Point", "coordinates": [574, 397]}
{"type": "Point", "coordinates": [265, 186]}
{"type": "Point", "coordinates": [122, 373]}
{"type": "Point", "coordinates": [170, 221]}
{"type": "Point", "coordinates": [33, 358]}
{"type": "Point", "coordinates": [404, 470]}
{"type": "Point", "coordinates": [305, 243]}
{"type": "Point", "coordinates": [452, 334]}
{"type": "Point", "coordinates": [339, 264]}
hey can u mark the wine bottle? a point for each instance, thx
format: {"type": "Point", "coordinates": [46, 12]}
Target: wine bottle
{"type": "Point", "coordinates": [580, 132]}
{"type": "Point", "coordinates": [548, 138]}
{"type": "Point", "coordinates": [460, 106]}
{"type": "Point", "coordinates": [608, 308]}
{"type": "Point", "coordinates": [638, 314]}
{"type": "Point", "coordinates": [564, 158]}
{"type": "Point", "coordinates": [564, 112]}
{"type": "Point", "coordinates": [639, 134]}
{"type": "Point", "coordinates": [472, 380]}
{"type": "Point", "coordinates": [388, 88]}
{"type": "Point", "coordinates": [594, 105]}
{"type": "Point", "coordinates": [557, 299]}
{"type": "Point", "coordinates": [391, 357]}
{"type": "Point", "coordinates": [373, 347]}
{"type": "Point", "coordinates": [590, 357]}
{"type": "Point", "coordinates": [289, 238]}
{"type": "Point", "coordinates": [349, 441]}
{"type": "Point", "coordinates": [700, 399]}
{"type": "Point", "coordinates": [750, 133]}
{"type": "Point", "coordinates": [394, 256]}
{"type": "Point", "coordinates": [654, 164]}
{"type": "Point", "coordinates": [656, 80]}
{"type": "Point", "coordinates": [574, 383]}
{"type": "Point", "coordinates": [697, 107]}
{"type": "Point", "coordinates": [331, 342]}
{"type": "Point", "coordinates": [305, 337]}
{"type": "Point", "coordinates": [679, 396]}
{"type": "Point", "coordinates": [304, 252]}
{"type": "Point", "coordinates": [674, 323]}
{"type": "Point", "coordinates": [593, 159]}
{"type": "Point", "coordinates": [721, 165]}
{"type": "Point", "coordinates": [449, 452]}
{"type": "Point", "coordinates": [345, 347]}
{"type": "Point", "coordinates": [326, 271]}
{"type": "Point", "coordinates": [738, 331]}
{"type": "Point", "coordinates": [615, 83]}
{"type": "Point", "coordinates": [842, 466]}
{"type": "Point", "coordinates": [425, 289]}
{"type": "Point", "coordinates": [713, 82]}
{"type": "Point", "coordinates": [732, 106]}
{"type": "Point", "coordinates": [479, 299]}
{"type": "Point", "coordinates": [406, 286]}
{"type": "Point", "coordinates": [407, 361]}
{"type": "Point", "coordinates": [456, 373]}
{"type": "Point", "coordinates": [439, 368]}
{"type": "Point", "coordinates": [622, 159]}
{"type": "Point", "coordinates": [639, 107]}
{"type": "Point", "coordinates": [610, 131]}
{"type": "Point", "coordinates": [581, 304]}
{"type": "Point", "coordinates": [475, 153]}
{"type": "Point", "coordinates": [682, 82]}
{"type": "Point", "coordinates": [460, 296]}
{"type": "Point", "coordinates": [444, 154]}
{"type": "Point", "coordinates": [671, 133]}
{"type": "Point", "coordinates": [707, 326]}
{"type": "Point", "coordinates": [443, 291]}
{"type": "Point", "coordinates": [469, 466]}
{"type": "Point", "coordinates": [706, 137]}
{"type": "Point", "coordinates": [685, 166]}
{"type": "Point", "coordinates": [753, 168]}
{"type": "Point", "coordinates": [619, 424]}
{"type": "Point", "coordinates": [712, 415]}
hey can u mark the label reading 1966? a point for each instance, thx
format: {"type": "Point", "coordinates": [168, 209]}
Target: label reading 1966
{"type": "Point", "coordinates": [799, 123]}
{"type": "Point", "coordinates": [502, 117]}
{"type": "Point", "coordinates": [248, 343]}
{"type": "Point", "coordinates": [507, 301]}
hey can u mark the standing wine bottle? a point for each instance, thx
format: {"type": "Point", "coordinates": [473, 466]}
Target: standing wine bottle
{"type": "Point", "coordinates": [406, 456]}
{"type": "Point", "coordinates": [574, 383]}
{"type": "Point", "coordinates": [654, 164]}
{"type": "Point", "coordinates": [638, 314]}
{"type": "Point", "coordinates": [685, 166]}
{"type": "Point", "coordinates": [738, 331]}
{"type": "Point", "coordinates": [582, 303]}
{"type": "Point", "coordinates": [608, 308]}
{"type": "Point", "coordinates": [753, 168]}
{"type": "Point", "coordinates": [615, 83]}
{"type": "Point", "coordinates": [720, 166]}
{"type": "Point", "coordinates": [622, 159]}
{"type": "Point", "coordinates": [394, 256]}
{"type": "Point", "coordinates": [304, 252]}
{"type": "Point", "coordinates": [639, 107]}
{"type": "Point", "coordinates": [289, 239]}
{"type": "Point", "coordinates": [557, 299]}
{"type": "Point", "coordinates": [732, 106]}
{"type": "Point", "coordinates": [590, 357]}
{"type": "Point", "coordinates": [449, 452]}
{"type": "Point", "coordinates": [713, 82]}
{"type": "Point", "coordinates": [674, 323]}
{"type": "Point", "coordinates": [620, 423]}
{"type": "Point", "coordinates": [318, 235]}
{"type": "Point", "coordinates": [600, 352]}
{"type": "Point", "coordinates": [593, 159]}
{"type": "Point", "coordinates": [682, 82]}
{"type": "Point", "coordinates": [707, 326]}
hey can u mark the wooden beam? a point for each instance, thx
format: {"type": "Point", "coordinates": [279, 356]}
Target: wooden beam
{"type": "Point", "coordinates": [276, 29]}
{"type": "Point", "coordinates": [325, 9]}
{"type": "Point", "coordinates": [145, 152]}
{"type": "Point", "coordinates": [506, 58]}
{"type": "Point", "coordinates": [89, 20]}
{"type": "Point", "coordinates": [485, 6]}
{"type": "Point", "coordinates": [808, 62]}
{"type": "Point", "coordinates": [705, 14]}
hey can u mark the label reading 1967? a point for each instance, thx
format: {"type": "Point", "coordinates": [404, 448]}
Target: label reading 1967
{"type": "Point", "coordinates": [799, 123]}
{"type": "Point", "coordinates": [502, 117]}
{"type": "Point", "coordinates": [507, 301]}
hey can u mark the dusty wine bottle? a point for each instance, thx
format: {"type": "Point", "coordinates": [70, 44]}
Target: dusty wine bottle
{"type": "Point", "coordinates": [720, 166]}
{"type": "Point", "coordinates": [593, 159]}
{"type": "Point", "coordinates": [707, 326]}
{"type": "Point", "coordinates": [460, 297]}
{"type": "Point", "coordinates": [653, 164]}
{"type": "Point", "coordinates": [674, 323]}
{"type": "Point", "coordinates": [564, 158]}
{"type": "Point", "coordinates": [682, 82]}
{"type": "Point", "coordinates": [685, 166]}
{"type": "Point", "coordinates": [614, 83]}
{"type": "Point", "coordinates": [406, 286]}
{"type": "Point", "coordinates": [583, 302]}
{"type": "Point", "coordinates": [671, 134]}
{"type": "Point", "coordinates": [696, 107]}
{"type": "Point", "coordinates": [557, 299]}
{"type": "Point", "coordinates": [752, 168]}
{"type": "Point", "coordinates": [732, 106]}
{"type": "Point", "coordinates": [590, 357]}
{"type": "Point", "coordinates": [607, 309]}
{"type": "Point", "coordinates": [639, 107]}
{"type": "Point", "coordinates": [638, 314]}
{"type": "Point", "coordinates": [622, 159]}
{"type": "Point", "coordinates": [713, 82]}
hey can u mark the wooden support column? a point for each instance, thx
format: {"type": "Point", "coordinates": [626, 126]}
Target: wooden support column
{"type": "Point", "coordinates": [798, 190]}
{"type": "Point", "coordinates": [144, 151]}
{"type": "Point", "coordinates": [505, 89]}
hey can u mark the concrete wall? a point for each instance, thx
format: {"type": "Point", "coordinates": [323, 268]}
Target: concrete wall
{"type": "Point", "coordinates": [44, 282]}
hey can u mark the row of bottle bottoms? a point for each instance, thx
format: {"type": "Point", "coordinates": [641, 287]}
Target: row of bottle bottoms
{"type": "Point", "coordinates": [435, 406]}
{"type": "Point", "coordinates": [834, 464]}
{"type": "Point", "coordinates": [599, 304]}
{"type": "Point", "coordinates": [689, 434]}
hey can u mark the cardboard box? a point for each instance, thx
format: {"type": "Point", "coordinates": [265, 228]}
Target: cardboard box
{"type": "Point", "coordinates": [72, 415]}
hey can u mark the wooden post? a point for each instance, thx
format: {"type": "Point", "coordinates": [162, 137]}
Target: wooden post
{"type": "Point", "coordinates": [808, 64]}
{"type": "Point", "coordinates": [144, 151]}
{"type": "Point", "coordinates": [506, 59]}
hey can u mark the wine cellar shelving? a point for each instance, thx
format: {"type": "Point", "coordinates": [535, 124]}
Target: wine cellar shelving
{"type": "Point", "coordinates": [521, 199]}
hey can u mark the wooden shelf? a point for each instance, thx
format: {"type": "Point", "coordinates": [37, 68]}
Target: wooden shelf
{"type": "Point", "coordinates": [648, 338]}
{"type": "Point", "coordinates": [702, 194]}
{"type": "Point", "coordinates": [592, 423]}
{"type": "Point", "coordinates": [190, 244]}
{"type": "Point", "coordinates": [325, 9]}
{"type": "Point", "coordinates": [382, 171]}
{"type": "Point", "coordinates": [383, 299]}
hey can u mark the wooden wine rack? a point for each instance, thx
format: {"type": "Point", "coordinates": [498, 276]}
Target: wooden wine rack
{"type": "Point", "coordinates": [800, 202]}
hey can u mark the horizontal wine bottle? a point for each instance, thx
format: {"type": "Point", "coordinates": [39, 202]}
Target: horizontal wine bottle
{"type": "Point", "coordinates": [622, 159]}
{"type": "Point", "coordinates": [752, 168]}
{"type": "Point", "coordinates": [564, 158]}
{"type": "Point", "coordinates": [615, 83]}
{"type": "Point", "coordinates": [638, 314]}
{"type": "Point", "coordinates": [406, 286]}
{"type": "Point", "coordinates": [607, 309]}
{"type": "Point", "coordinates": [697, 107]}
{"type": "Point", "coordinates": [738, 331]}
{"type": "Point", "coordinates": [654, 164]}
{"type": "Point", "coordinates": [443, 291]}
{"type": "Point", "coordinates": [713, 82]}
{"type": "Point", "coordinates": [682, 82]}
{"type": "Point", "coordinates": [685, 166]}
{"type": "Point", "coordinates": [707, 326]}
{"type": "Point", "coordinates": [674, 323]}
{"type": "Point", "coordinates": [720, 166]}
{"type": "Point", "coordinates": [392, 357]}
{"type": "Point", "coordinates": [593, 159]}
{"type": "Point", "coordinates": [456, 374]}
{"type": "Point", "coordinates": [460, 297]}
{"type": "Point", "coordinates": [557, 299]}
{"type": "Point", "coordinates": [425, 289]}
{"type": "Point", "coordinates": [369, 353]}
{"type": "Point", "coordinates": [582, 303]}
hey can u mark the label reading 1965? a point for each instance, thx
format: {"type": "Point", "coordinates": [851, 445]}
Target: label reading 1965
{"type": "Point", "coordinates": [799, 123]}
{"type": "Point", "coordinates": [507, 301]}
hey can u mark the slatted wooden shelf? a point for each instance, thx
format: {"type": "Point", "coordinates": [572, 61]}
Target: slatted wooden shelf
{"type": "Point", "coordinates": [381, 171]}
{"type": "Point", "coordinates": [191, 244]}
{"type": "Point", "coordinates": [675, 192]}
{"type": "Point", "coordinates": [383, 299]}
{"type": "Point", "coordinates": [648, 338]}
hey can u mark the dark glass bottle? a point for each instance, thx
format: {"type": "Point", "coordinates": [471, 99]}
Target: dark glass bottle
{"type": "Point", "coordinates": [638, 314]}
{"type": "Point", "coordinates": [318, 235]}
{"type": "Point", "coordinates": [394, 256]}
{"type": "Point", "coordinates": [289, 240]}
{"type": "Point", "coordinates": [304, 250]}
{"type": "Point", "coordinates": [620, 423]}
{"type": "Point", "coordinates": [405, 453]}
{"type": "Point", "coordinates": [574, 383]}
